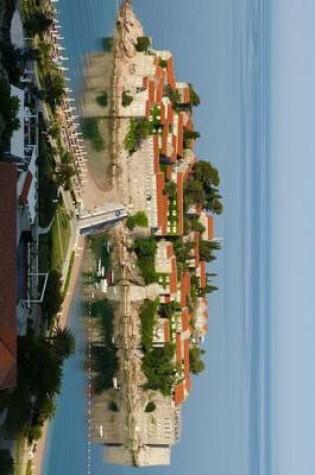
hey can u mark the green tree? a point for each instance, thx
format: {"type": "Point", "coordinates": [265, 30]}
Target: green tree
{"type": "Point", "coordinates": [102, 99]}
{"type": "Point", "coordinates": [38, 23]}
{"type": "Point", "coordinates": [191, 134]}
{"type": "Point", "coordinates": [138, 219]}
{"type": "Point", "coordinates": [150, 407]}
{"type": "Point", "coordinates": [143, 43]}
{"type": "Point", "coordinates": [147, 312]}
{"type": "Point", "coordinates": [126, 99]}
{"type": "Point", "coordinates": [34, 432]}
{"type": "Point", "coordinates": [9, 107]}
{"type": "Point", "coordinates": [6, 462]}
{"type": "Point", "coordinates": [54, 85]}
{"type": "Point", "coordinates": [195, 362]}
{"type": "Point", "coordinates": [64, 173]}
{"type": "Point", "coordinates": [62, 342]}
{"type": "Point", "coordinates": [171, 189]}
{"type": "Point", "coordinates": [194, 98]}
{"type": "Point", "coordinates": [53, 296]}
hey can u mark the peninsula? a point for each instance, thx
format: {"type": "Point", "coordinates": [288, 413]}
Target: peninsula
{"type": "Point", "coordinates": [117, 193]}
{"type": "Point", "coordinates": [158, 295]}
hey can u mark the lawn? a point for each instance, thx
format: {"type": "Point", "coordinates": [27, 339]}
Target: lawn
{"type": "Point", "coordinates": [47, 188]}
{"type": "Point", "coordinates": [60, 237]}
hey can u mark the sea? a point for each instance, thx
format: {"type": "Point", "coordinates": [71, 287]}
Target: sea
{"type": "Point", "coordinates": [222, 47]}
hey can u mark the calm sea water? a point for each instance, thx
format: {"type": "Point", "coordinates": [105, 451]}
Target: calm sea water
{"type": "Point", "coordinates": [221, 47]}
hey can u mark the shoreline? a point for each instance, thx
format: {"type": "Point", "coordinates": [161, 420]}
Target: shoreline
{"type": "Point", "coordinates": [38, 459]}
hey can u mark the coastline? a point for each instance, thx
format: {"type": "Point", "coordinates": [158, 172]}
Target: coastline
{"type": "Point", "coordinates": [38, 459]}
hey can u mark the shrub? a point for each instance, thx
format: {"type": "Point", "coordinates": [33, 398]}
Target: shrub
{"type": "Point", "coordinates": [162, 63]}
{"type": "Point", "coordinates": [53, 295]}
{"type": "Point", "coordinates": [138, 219]}
{"type": "Point", "coordinates": [91, 132]}
{"type": "Point", "coordinates": [102, 99]}
{"type": "Point", "coordinates": [107, 43]}
{"type": "Point", "coordinates": [6, 462]}
{"type": "Point", "coordinates": [148, 319]}
{"type": "Point", "coordinates": [146, 250]}
{"type": "Point", "coordinates": [194, 98]}
{"type": "Point", "coordinates": [113, 406]}
{"type": "Point", "coordinates": [143, 43]}
{"type": "Point", "coordinates": [126, 99]}
{"type": "Point", "coordinates": [9, 107]}
{"type": "Point", "coordinates": [150, 407]}
{"type": "Point", "coordinates": [139, 129]}
{"type": "Point", "coordinates": [159, 368]}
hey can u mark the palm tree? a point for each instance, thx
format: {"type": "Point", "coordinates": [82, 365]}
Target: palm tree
{"type": "Point", "coordinates": [63, 342]}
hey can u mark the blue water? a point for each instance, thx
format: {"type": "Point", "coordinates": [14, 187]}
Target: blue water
{"type": "Point", "coordinates": [222, 48]}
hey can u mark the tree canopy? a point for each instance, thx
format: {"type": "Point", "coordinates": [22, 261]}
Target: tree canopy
{"type": "Point", "coordinates": [202, 187]}
{"type": "Point", "coordinates": [6, 462]}
{"type": "Point", "coordinates": [195, 362]}
{"type": "Point", "coordinates": [143, 43]}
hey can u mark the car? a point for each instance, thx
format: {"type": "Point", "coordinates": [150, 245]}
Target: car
{"type": "Point", "coordinates": [117, 212]}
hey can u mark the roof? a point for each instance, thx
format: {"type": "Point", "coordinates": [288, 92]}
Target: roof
{"type": "Point", "coordinates": [203, 277]}
{"type": "Point", "coordinates": [162, 202]}
{"type": "Point", "coordinates": [179, 394]}
{"type": "Point", "coordinates": [185, 288]}
{"type": "Point", "coordinates": [26, 188]}
{"type": "Point", "coordinates": [8, 274]}
{"type": "Point", "coordinates": [210, 227]}
{"type": "Point", "coordinates": [167, 331]}
{"type": "Point", "coordinates": [170, 72]}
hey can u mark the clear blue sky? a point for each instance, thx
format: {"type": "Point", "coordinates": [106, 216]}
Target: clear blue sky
{"type": "Point", "coordinates": [252, 62]}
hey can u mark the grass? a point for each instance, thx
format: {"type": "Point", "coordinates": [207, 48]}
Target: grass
{"type": "Point", "coordinates": [29, 470]}
{"type": "Point", "coordinates": [60, 237]}
{"type": "Point", "coordinates": [67, 282]}
{"type": "Point", "coordinates": [47, 188]}
{"type": "Point", "coordinates": [19, 451]}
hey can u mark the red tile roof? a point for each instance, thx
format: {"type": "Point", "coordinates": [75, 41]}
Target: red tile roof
{"type": "Point", "coordinates": [148, 109]}
{"type": "Point", "coordinates": [179, 394]}
{"type": "Point", "coordinates": [179, 355]}
{"type": "Point", "coordinates": [185, 288]}
{"type": "Point", "coordinates": [181, 178]}
{"type": "Point", "coordinates": [185, 319]}
{"type": "Point", "coordinates": [203, 277]}
{"type": "Point", "coordinates": [156, 153]}
{"type": "Point", "coordinates": [210, 227]}
{"type": "Point", "coordinates": [162, 203]}
{"type": "Point", "coordinates": [170, 72]}
{"type": "Point", "coordinates": [160, 90]}
{"type": "Point", "coordinates": [151, 91]}
{"type": "Point", "coordinates": [186, 364]}
{"type": "Point", "coordinates": [8, 274]}
{"type": "Point", "coordinates": [186, 94]}
{"type": "Point", "coordinates": [167, 332]}
{"type": "Point", "coordinates": [180, 135]}
{"type": "Point", "coordinates": [173, 277]}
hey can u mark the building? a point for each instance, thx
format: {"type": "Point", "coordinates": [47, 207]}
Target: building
{"type": "Point", "coordinates": [8, 275]}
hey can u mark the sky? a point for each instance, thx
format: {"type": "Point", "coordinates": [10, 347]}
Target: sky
{"type": "Point", "coordinates": [251, 61]}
